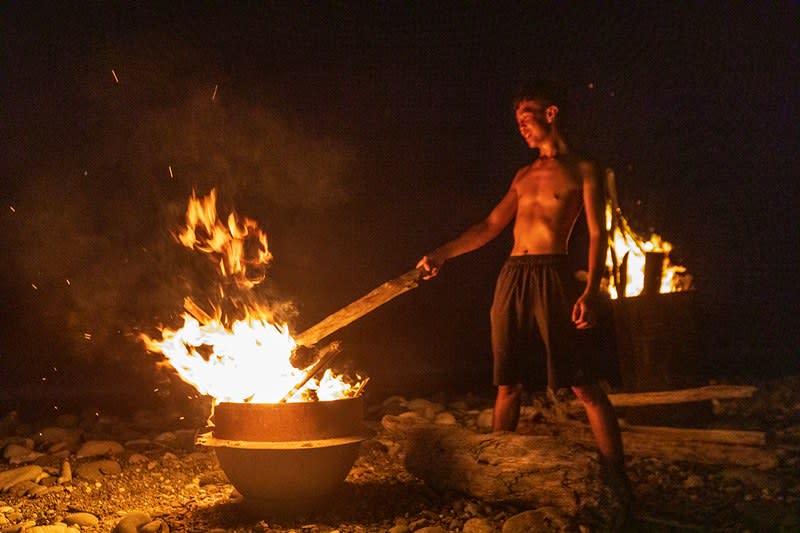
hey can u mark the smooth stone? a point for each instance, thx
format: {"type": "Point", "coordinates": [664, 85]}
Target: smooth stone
{"type": "Point", "coordinates": [96, 470]}
{"type": "Point", "coordinates": [445, 418]}
{"type": "Point", "coordinates": [131, 522]}
{"type": "Point", "coordinates": [137, 459]}
{"type": "Point", "coordinates": [478, 525]}
{"type": "Point", "coordinates": [166, 437]}
{"type": "Point", "coordinates": [66, 473]}
{"type": "Point", "coordinates": [394, 400]}
{"type": "Point", "coordinates": [430, 529]}
{"type": "Point", "coordinates": [541, 520]}
{"type": "Point", "coordinates": [425, 408]}
{"type": "Point", "coordinates": [156, 526]}
{"type": "Point", "coordinates": [18, 454]}
{"type": "Point", "coordinates": [54, 528]}
{"type": "Point", "coordinates": [55, 434]}
{"type": "Point", "coordinates": [95, 448]}
{"type": "Point", "coordinates": [81, 519]}
{"type": "Point", "coordinates": [9, 478]}
{"type": "Point", "coordinates": [484, 420]}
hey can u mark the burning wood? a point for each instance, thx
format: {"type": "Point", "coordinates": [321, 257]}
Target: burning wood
{"type": "Point", "coordinates": [324, 358]}
{"type": "Point", "coordinates": [237, 351]}
{"type": "Point", "coordinates": [637, 265]}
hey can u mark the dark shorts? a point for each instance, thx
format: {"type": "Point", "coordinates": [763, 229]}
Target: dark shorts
{"type": "Point", "coordinates": [534, 341]}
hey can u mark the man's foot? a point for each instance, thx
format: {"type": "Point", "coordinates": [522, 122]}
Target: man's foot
{"type": "Point", "coordinates": [617, 480]}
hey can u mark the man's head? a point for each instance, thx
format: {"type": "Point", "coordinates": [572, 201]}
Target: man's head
{"type": "Point", "coordinates": [545, 92]}
{"type": "Point", "coordinates": [537, 108]}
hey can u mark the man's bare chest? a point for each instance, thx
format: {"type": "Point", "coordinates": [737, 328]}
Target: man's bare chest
{"type": "Point", "coordinates": [548, 187]}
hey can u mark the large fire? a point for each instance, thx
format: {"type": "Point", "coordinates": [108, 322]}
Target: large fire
{"type": "Point", "coordinates": [241, 354]}
{"type": "Point", "coordinates": [632, 258]}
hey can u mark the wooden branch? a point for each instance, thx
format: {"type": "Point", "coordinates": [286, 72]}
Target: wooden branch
{"type": "Point", "coordinates": [377, 297]}
{"type": "Point", "coordinates": [696, 394]}
{"type": "Point", "coordinates": [324, 357]}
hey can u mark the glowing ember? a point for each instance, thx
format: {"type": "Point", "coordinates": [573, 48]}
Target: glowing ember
{"type": "Point", "coordinates": [237, 360]}
{"type": "Point", "coordinates": [627, 254]}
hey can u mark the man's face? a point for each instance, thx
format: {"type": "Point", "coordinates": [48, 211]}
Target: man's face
{"type": "Point", "coordinates": [533, 121]}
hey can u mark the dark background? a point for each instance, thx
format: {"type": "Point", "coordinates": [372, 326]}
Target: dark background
{"type": "Point", "coordinates": [360, 136]}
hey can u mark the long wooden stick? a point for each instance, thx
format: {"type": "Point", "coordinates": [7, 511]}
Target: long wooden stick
{"type": "Point", "coordinates": [375, 298]}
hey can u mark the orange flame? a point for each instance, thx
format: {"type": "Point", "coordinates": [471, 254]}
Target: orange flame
{"type": "Point", "coordinates": [248, 359]}
{"type": "Point", "coordinates": [627, 251]}
{"type": "Point", "coordinates": [241, 247]}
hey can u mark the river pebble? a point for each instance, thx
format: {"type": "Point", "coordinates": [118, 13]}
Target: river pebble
{"type": "Point", "coordinates": [132, 521]}
{"type": "Point", "coordinates": [82, 457]}
{"type": "Point", "coordinates": [95, 448]}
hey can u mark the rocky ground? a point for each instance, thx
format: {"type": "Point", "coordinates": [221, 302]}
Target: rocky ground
{"type": "Point", "coordinates": [95, 471]}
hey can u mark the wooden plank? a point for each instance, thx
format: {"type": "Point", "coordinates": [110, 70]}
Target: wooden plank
{"type": "Point", "coordinates": [375, 298]}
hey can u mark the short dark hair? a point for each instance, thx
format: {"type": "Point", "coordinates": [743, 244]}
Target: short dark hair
{"type": "Point", "coordinates": [545, 91]}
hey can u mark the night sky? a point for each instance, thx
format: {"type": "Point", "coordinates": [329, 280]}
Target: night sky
{"type": "Point", "coordinates": [362, 137]}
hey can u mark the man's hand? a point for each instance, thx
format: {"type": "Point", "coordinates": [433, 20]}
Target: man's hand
{"type": "Point", "coordinates": [431, 264]}
{"type": "Point", "coordinates": [583, 312]}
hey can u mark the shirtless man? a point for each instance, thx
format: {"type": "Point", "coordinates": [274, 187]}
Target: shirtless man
{"type": "Point", "coordinates": [539, 308]}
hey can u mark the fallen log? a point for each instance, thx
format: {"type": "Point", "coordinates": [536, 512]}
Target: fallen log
{"type": "Point", "coordinates": [498, 467]}
{"type": "Point", "coordinates": [355, 310]}
{"type": "Point", "coordinates": [680, 445]}
{"type": "Point", "coordinates": [696, 394]}
{"type": "Point", "coordinates": [557, 469]}
{"type": "Point", "coordinates": [735, 437]}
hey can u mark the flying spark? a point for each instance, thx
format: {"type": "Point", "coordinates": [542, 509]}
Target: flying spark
{"type": "Point", "coordinates": [116, 79]}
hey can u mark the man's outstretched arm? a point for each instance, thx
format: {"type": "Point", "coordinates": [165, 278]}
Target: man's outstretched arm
{"type": "Point", "coordinates": [474, 237]}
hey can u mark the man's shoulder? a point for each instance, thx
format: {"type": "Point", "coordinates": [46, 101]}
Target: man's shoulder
{"type": "Point", "coordinates": [522, 171]}
{"type": "Point", "coordinates": [581, 159]}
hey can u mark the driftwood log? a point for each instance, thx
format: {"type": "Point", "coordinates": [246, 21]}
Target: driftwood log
{"type": "Point", "coordinates": [559, 469]}
{"type": "Point", "coordinates": [696, 394]}
{"type": "Point", "coordinates": [682, 444]}
{"type": "Point", "coordinates": [498, 467]}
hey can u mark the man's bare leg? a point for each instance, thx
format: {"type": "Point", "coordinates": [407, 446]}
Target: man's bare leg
{"type": "Point", "coordinates": [605, 428]}
{"type": "Point", "coordinates": [506, 407]}
{"type": "Point", "coordinates": [603, 421]}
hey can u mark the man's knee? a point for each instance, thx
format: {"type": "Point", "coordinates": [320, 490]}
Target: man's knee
{"type": "Point", "coordinates": [509, 391]}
